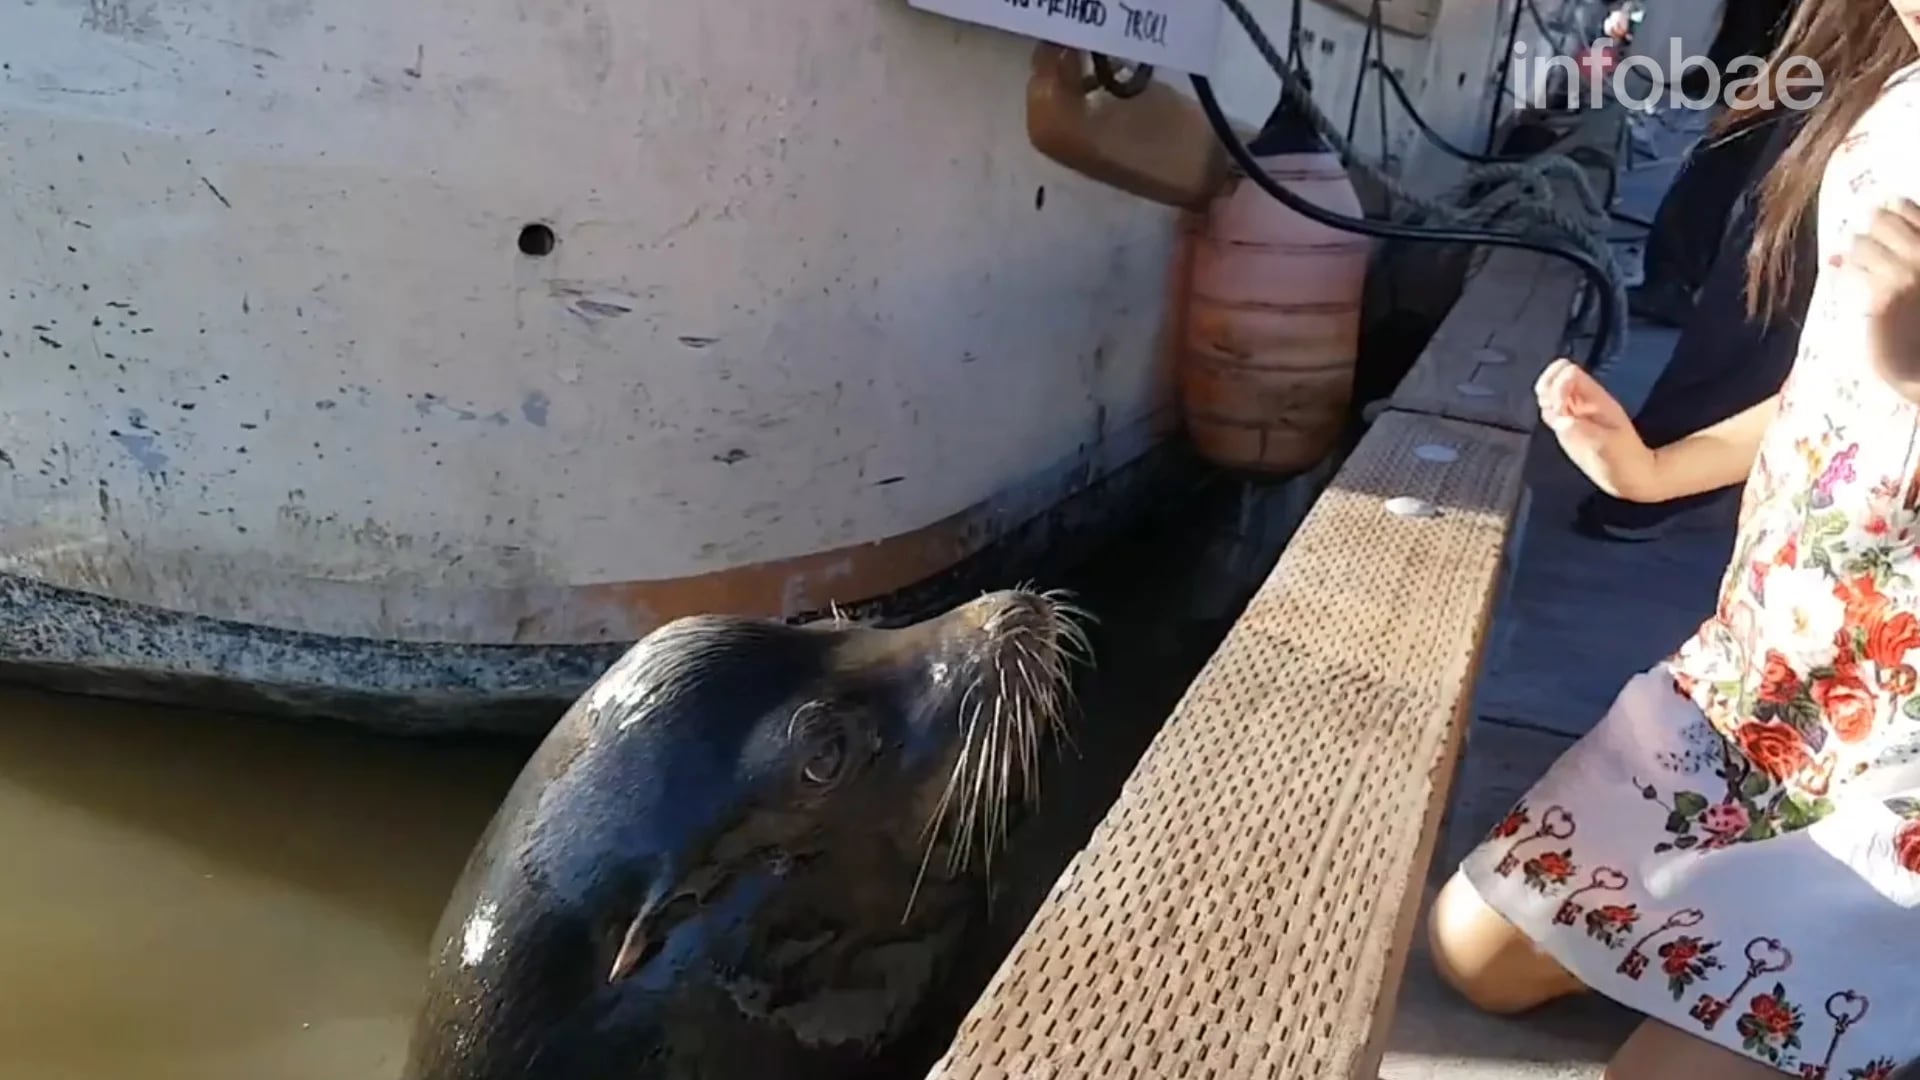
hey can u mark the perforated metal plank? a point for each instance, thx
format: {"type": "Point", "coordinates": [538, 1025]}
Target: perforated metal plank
{"type": "Point", "coordinates": [1245, 907]}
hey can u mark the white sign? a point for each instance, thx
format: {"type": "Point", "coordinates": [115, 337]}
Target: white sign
{"type": "Point", "coordinates": [1182, 35]}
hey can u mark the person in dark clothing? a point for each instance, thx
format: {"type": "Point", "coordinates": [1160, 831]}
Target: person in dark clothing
{"type": "Point", "coordinates": [1725, 361]}
{"type": "Point", "coordinates": [1689, 226]}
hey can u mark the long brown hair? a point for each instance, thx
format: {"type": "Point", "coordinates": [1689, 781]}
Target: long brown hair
{"type": "Point", "coordinates": [1858, 45]}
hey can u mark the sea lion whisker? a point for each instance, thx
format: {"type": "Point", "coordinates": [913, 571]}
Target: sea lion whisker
{"type": "Point", "coordinates": [1008, 730]}
{"type": "Point", "coordinates": [1003, 774]}
{"type": "Point", "coordinates": [931, 838]}
{"type": "Point", "coordinates": [984, 808]}
{"type": "Point", "coordinates": [1025, 730]}
{"type": "Point", "coordinates": [1053, 685]}
{"type": "Point", "coordinates": [960, 854]}
{"type": "Point", "coordinates": [1031, 782]}
{"type": "Point", "coordinates": [930, 835]}
{"type": "Point", "coordinates": [983, 787]}
{"type": "Point", "coordinates": [1069, 623]}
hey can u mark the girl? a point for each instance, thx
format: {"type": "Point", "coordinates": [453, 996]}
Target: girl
{"type": "Point", "coordinates": [1734, 850]}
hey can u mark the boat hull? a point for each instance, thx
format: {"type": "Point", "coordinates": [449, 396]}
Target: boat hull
{"type": "Point", "coordinates": [430, 353]}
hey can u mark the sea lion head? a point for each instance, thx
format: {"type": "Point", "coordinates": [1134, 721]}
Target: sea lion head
{"type": "Point", "coordinates": [748, 843]}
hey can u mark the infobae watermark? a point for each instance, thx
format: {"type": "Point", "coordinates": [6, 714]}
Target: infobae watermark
{"type": "Point", "coordinates": [1599, 73]}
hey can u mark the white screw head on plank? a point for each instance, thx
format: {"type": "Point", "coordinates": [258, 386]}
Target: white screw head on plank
{"type": "Point", "coordinates": [1179, 35]}
{"type": "Point", "coordinates": [1407, 506]}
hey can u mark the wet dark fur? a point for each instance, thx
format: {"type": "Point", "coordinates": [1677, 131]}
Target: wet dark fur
{"type": "Point", "coordinates": [748, 851]}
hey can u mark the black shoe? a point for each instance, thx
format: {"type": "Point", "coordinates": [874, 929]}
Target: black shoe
{"type": "Point", "coordinates": [1660, 302]}
{"type": "Point", "coordinates": [1602, 517]}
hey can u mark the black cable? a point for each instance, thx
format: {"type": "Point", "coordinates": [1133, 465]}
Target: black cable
{"type": "Point", "coordinates": [1380, 61]}
{"type": "Point", "coordinates": [1360, 80]}
{"type": "Point", "coordinates": [1559, 41]}
{"type": "Point", "coordinates": [1506, 73]}
{"type": "Point", "coordinates": [1389, 230]}
{"type": "Point", "coordinates": [1433, 136]}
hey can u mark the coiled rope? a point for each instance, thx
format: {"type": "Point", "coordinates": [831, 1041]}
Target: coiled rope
{"type": "Point", "coordinates": [1519, 195]}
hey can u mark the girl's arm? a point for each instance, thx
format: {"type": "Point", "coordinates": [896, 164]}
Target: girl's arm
{"type": "Point", "coordinates": [1600, 438]}
{"type": "Point", "coordinates": [1712, 457]}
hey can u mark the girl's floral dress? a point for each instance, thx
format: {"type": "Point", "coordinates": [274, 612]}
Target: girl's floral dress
{"type": "Point", "coordinates": [1735, 848]}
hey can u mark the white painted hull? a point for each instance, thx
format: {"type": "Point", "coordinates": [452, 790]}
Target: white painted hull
{"type": "Point", "coordinates": [819, 323]}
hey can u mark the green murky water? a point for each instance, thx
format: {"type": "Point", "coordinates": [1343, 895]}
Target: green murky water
{"type": "Point", "coordinates": [221, 898]}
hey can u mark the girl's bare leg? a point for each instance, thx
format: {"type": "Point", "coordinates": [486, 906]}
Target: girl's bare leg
{"type": "Point", "coordinates": [1479, 953]}
{"type": "Point", "coordinates": [1657, 1052]}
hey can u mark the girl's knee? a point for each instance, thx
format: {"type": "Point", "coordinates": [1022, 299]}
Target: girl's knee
{"type": "Point", "coordinates": [1485, 958]}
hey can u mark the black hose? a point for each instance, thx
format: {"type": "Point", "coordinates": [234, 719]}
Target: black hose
{"type": "Point", "coordinates": [1434, 137]}
{"type": "Point", "coordinates": [1506, 74]}
{"type": "Point", "coordinates": [1389, 230]}
{"type": "Point", "coordinates": [1446, 146]}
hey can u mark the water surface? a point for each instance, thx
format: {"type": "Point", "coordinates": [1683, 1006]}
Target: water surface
{"type": "Point", "coordinates": [213, 897]}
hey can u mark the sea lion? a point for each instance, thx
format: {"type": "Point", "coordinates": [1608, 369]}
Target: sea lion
{"type": "Point", "coordinates": [748, 850]}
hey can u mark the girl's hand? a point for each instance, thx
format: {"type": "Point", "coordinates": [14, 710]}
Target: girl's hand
{"type": "Point", "coordinates": [1595, 431]}
{"type": "Point", "coordinates": [1884, 261]}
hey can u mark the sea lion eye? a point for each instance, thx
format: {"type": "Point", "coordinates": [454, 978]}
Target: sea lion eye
{"type": "Point", "coordinates": [828, 761]}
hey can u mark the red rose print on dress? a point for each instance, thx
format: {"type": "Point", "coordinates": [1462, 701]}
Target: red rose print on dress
{"type": "Point", "coordinates": [1771, 1025]}
{"type": "Point", "coordinates": [1774, 748]}
{"type": "Point", "coordinates": [1877, 1069]}
{"type": "Point", "coordinates": [1779, 683]}
{"type": "Point", "coordinates": [1611, 923]}
{"type": "Point", "coordinates": [1724, 823]}
{"type": "Point", "coordinates": [1865, 603]}
{"type": "Point", "coordinates": [1510, 825]}
{"type": "Point", "coordinates": [1765, 956]}
{"type": "Point", "coordinates": [1682, 965]}
{"type": "Point", "coordinates": [1555, 824]}
{"type": "Point", "coordinates": [1549, 870]}
{"type": "Point", "coordinates": [1848, 704]}
{"type": "Point", "coordinates": [1906, 846]}
{"type": "Point", "coordinates": [1890, 638]}
{"type": "Point", "coordinates": [1686, 960]}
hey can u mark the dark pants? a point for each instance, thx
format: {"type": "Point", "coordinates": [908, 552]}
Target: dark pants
{"type": "Point", "coordinates": [1725, 361]}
